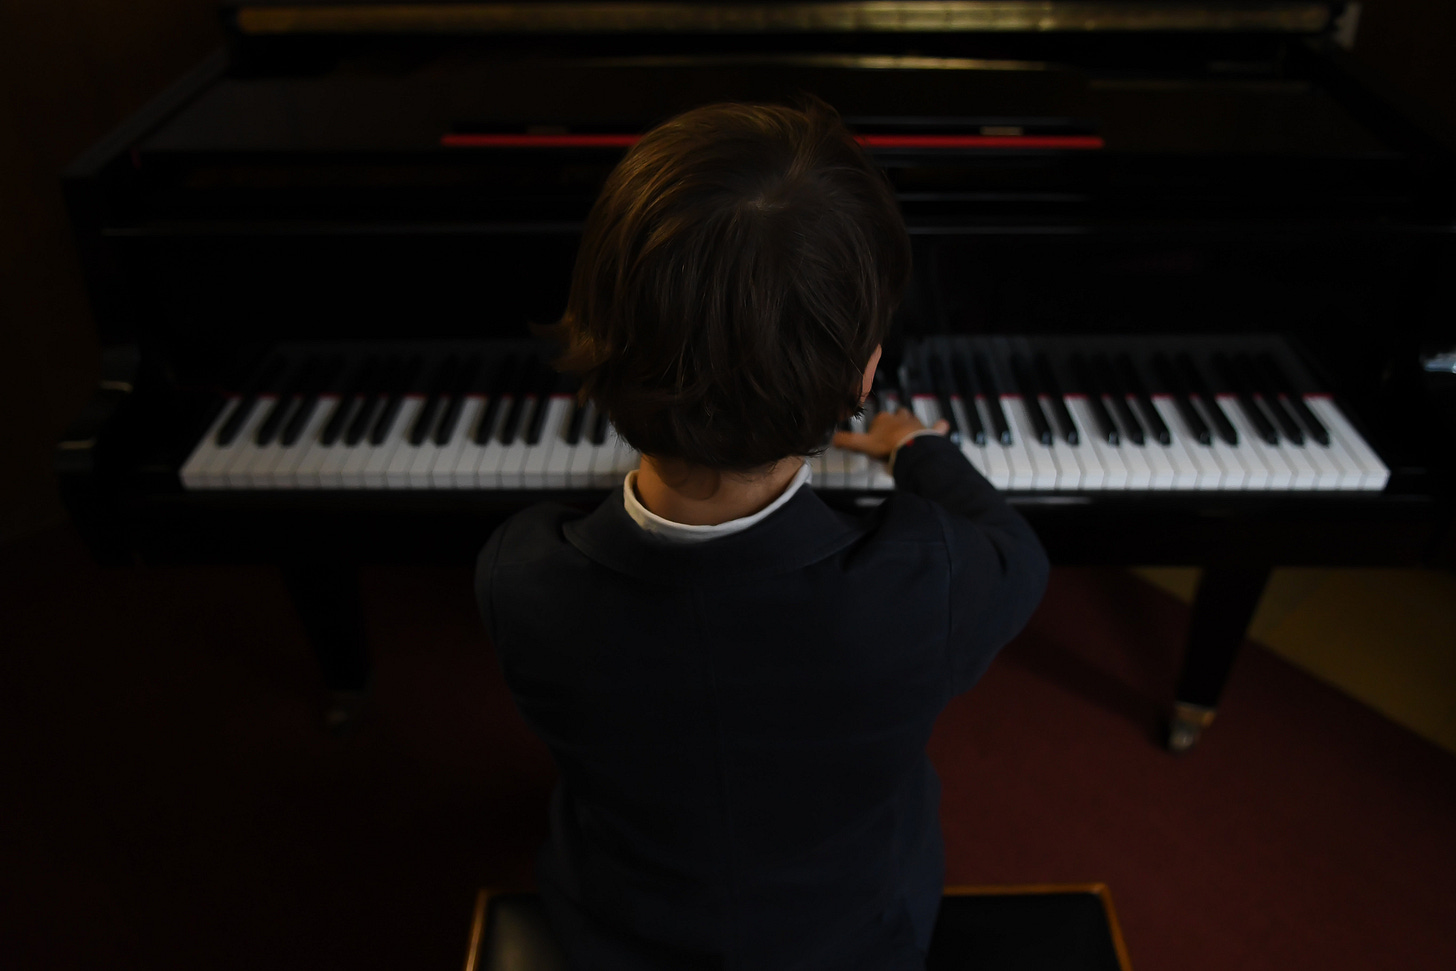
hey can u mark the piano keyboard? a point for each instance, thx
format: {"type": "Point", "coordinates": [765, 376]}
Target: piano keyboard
{"type": "Point", "coordinates": [1056, 415]}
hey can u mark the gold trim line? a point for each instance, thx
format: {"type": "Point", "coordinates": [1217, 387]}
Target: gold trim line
{"type": "Point", "coordinates": [851, 16]}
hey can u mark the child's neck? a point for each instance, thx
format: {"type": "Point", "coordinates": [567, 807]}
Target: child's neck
{"type": "Point", "coordinates": [695, 496]}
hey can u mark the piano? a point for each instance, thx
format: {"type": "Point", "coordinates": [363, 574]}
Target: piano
{"type": "Point", "coordinates": [1178, 281]}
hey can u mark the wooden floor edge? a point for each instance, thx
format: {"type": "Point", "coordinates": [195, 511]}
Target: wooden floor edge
{"type": "Point", "coordinates": [1117, 942]}
{"type": "Point", "coordinates": [477, 929]}
{"type": "Point", "coordinates": [967, 890]}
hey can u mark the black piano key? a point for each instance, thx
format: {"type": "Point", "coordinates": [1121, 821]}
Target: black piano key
{"type": "Point", "coordinates": [1092, 388]}
{"type": "Point", "coordinates": [968, 391]}
{"type": "Point", "coordinates": [465, 378]}
{"type": "Point", "coordinates": [311, 387]}
{"type": "Point", "coordinates": [405, 377]}
{"type": "Point", "coordinates": [356, 388]}
{"type": "Point", "coordinates": [545, 384]}
{"type": "Point", "coordinates": [1021, 371]}
{"type": "Point", "coordinates": [1059, 402]}
{"type": "Point", "coordinates": [498, 386]}
{"type": "Point", "coordinates": [573, 425]}
{"type": "Point", "coordinates": [287, 399]}
{"type": "Point", "coordinates": [1275, 377]}
{"type": "Point", "coordinates": [261, 382]}
{"type": "Point", "coordinates": [1194, 382]}
{"type": "Point", "coordinates": [1179, 392]}
{"type": "Point", "coordinates": [234, 423]}
{"type": "Point", "coordinates": [941, 383]}
{"type": "Point", "coordinates": [993, 399]}
{"type": "Point", "coordinates": [1118, 394]}
{"type": "Point", "coordinates": [1269, 394]}
{"type": "Point", "coordinates": [599, 428]}
{"type": "Point", "coordinates": [523, 400]}
{"type": "Point", "coordinates": [363, 419]}
{"type": "Point", "coordinates": [1245, 394]}
{"type": "Point", "coordinates": [440, 389]}
{"type": "Point", "coordinates": [1133, 384]}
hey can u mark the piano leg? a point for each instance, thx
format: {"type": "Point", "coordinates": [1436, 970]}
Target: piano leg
{"type": "Point", "coordinates": [1222, 609]}
{"type": "Point", "coordinates": [326, 595]}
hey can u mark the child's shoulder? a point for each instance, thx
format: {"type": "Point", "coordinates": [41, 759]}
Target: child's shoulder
{"type": "Point", "coordinates": [529, 535]}
{"type": "Point", "coordinates": [905, 517]}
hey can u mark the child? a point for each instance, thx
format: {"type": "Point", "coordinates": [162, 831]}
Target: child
{"type": "Point", "coordinates": [738, 683]}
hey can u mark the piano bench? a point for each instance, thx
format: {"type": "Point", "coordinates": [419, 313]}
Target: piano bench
{"type": "Point", "coordinates": [1067, 927]}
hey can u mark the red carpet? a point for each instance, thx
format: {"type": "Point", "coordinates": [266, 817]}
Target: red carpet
{"type": "Point", "coordinates": [170, 802]}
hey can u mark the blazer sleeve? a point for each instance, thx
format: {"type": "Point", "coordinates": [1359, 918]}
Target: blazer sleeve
{"type": "Point", "coordinates": [998, 569]}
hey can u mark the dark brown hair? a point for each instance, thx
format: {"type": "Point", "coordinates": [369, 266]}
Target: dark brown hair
{"type": "Point", "coordinates": [734, 277]}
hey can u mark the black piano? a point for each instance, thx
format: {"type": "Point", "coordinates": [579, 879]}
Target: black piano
{"type": "Point", "coordinates": [1181, 281]}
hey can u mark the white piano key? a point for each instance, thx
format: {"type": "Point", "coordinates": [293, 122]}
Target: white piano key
{"type": "Point", "coordinates": [260, 469]}
{"type": "Point", "coordinates": [357, 456]}
{"type": "Point", "coordinates": [836, 468]}
{"type": "Point", "coordinates": [513, 457]}
{"type": "Point", "coordinates": [488, 456]}
{"type": "Point", "coordinates": [285, 473]}
{"type": "Point", "coordinates": [309, 474]}
{"type": "Point", "coordinates": [1160, 462]}
{"type": "Point", "coordinates": [420, 474]}
{"type": "Point", "coordinates": [202, 468]}
{"type": "Point", "coordinates": [381, 457]}
{"type": "Point", "coordinates": [1108, 458]}
{"type": "Point", "coordinates": [975, 454]}
{"type": "Point", "coordinates": [1351, 477]}
{"type": "Point", "coordinates": [1267, 469]}
{"type": "Point", "coordinates": [1068, 459]}
{"type": "Point", "coordinates": [454, 466]}
{"type": "Point", "coordinates": [1139, 472]}
{"type": "Point", "coordinates": [1023, 471]}
{"type": "Point", "coordinates": [1326, 466]}
{"type": "Point", "coordinates": [1373, 473]}
{"type": "Point", "coordinates": [816, 465]}
{"type": "Point", "coordinates": [533, 472]}
{"type": "Point", "coordinates": [1231, 461]}
{"type": "Point", "coordinates": [998, 462]}
{"type": "Point", "coordinates": [857, 464]}
{"type": "Point", "coordinates": [583, 458]}
{"type": "Point", "coordinates": [1297, 456]}
{"type": "Point", "coordinates": [1194, 467]}
{"type": "Point", "coordinates": [559, 461]}
{"type": "Point", "coordinates": [243, 449]}
{"type": "Point", "coordinates": [397, 471]}
{"type": "Point", "coordinates": [253, 471]}
{"type": "Point", "coordinates": [604, 462]}
{"type": "Point", "coordinates": [342, 454]}
{"type": "Point", "coordinates": [927, 410]}
{"type": "Point", "coordinates": [1093, 476]}
{"type": "Point", "coordinates": [1066, 456]}
{"type": "Point", "coordinates": [1043, 465]}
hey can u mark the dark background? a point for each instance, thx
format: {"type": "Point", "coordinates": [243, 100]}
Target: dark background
{"type": "Point", "coordinates": [174, 803]}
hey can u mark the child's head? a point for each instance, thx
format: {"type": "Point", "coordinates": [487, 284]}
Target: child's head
{"type": "Point", "coordinates": [735, 276]}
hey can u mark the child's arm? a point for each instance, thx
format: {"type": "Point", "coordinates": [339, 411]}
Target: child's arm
{"type": "Point", "coordinates": [998, 568]}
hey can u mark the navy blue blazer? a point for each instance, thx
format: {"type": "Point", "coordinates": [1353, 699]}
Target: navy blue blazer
{"type": "Point", "coordinates": [740, 724]}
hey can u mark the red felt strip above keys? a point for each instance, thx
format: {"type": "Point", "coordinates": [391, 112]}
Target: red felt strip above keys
{"type": "Point", "coordinates": [466, 140]}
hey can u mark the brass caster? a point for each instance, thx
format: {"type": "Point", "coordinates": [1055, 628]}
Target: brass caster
{"type": "Point", "coordinates": [1186, 726]}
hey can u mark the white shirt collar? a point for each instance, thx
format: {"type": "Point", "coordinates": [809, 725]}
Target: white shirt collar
{"type": "Point", "coordinates": [683, 533]}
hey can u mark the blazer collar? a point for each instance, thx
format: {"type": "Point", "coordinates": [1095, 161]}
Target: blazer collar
{"type": "Point", "coordinates": [803, 531]}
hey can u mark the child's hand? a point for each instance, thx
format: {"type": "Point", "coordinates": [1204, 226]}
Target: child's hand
{"type": "Point", "coordinates": [887, 431]}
